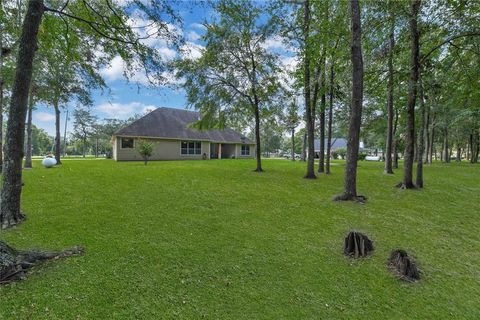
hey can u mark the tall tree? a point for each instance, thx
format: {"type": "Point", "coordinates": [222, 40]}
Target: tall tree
{"type": "Point", "coordinates": [350, 185]}
{"type": "Point", "coordinates": [13, 153]}
{"type": "Point", "coordinates": [412, 97]}
{"type": "Point", "coordinates": [307, 87]}
{"type": "Point", "coordinates": [235, 74]}
{"type": "Point", "coordinates": [291, 120]}
{"type": "Point", "coordinates": [83, 126]}
{"type": "Point", "coordinates": [390, 87]}
{"type": "Point", "coordinates": [29, 146]}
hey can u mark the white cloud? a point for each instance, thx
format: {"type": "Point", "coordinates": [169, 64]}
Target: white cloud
{"type": "Point", "coordinates": [167, 53]}
{"type": "Point", "coordinates": [198, 26]}
{"type": "Point", "coordinates": [115, 70]}
{"type": "Point", "coordinates": [192, 35]}
{"type": "Point", "coordinates": [43, 116]}
{"type": "Point", "coordinates": [192, 50]}
{"type": "Point", "coordinates": [123, 110]}
{"type": "Point", "coordinates": [277, 43]}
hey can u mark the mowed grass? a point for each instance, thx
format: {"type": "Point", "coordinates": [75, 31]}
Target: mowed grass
{"type": "Point", "coordinates": [214, 240]}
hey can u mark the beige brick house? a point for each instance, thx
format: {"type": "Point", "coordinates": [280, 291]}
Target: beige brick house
{"type": "Point", "coordinates": [173, 139]}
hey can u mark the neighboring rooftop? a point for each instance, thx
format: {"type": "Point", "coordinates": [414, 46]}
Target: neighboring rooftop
{"type": "Point", "coordinates": [173, 123]}
{"type": "Point", "coordinates": [336, 143]}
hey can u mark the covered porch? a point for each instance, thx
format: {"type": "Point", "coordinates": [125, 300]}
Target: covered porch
{"type": "Point", "coordinates": [222, 150]}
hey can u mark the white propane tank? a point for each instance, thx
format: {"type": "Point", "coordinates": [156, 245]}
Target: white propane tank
{"type": "Point", "coordinates": [49, 162]}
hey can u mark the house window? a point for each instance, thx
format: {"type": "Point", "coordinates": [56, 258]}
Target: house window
{"type": "Point", "coordinates": [127, 143]}
{"type": "Point", "coordinates": [245, 150]}
{"type": "Point", "coordinates": [191, 147]}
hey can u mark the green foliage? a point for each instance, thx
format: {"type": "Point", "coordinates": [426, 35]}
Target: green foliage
{"type": "Point", "coordinates": [339, 152]}
{"type": "Point", "coordinates": [235, 73]}
{"type": "Point", "coordinates": [145, 149]}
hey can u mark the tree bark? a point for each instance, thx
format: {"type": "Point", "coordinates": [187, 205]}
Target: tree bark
{"type": "Point", "coordinates": [28, 151]}
{"type": "Point", "coordinates": [412, 96]}
{"type": "Point", "coordinates": [330, 119]}
{"type": "Point", "coordinates": [293, 144]}
{"type": "Point", "coordinates": [304, 148]}
{"type": "Point", "coordinates": [323, 104]}
{"type": "Point", "coordinates": [420, 150]}
{"type": "Point", "coordinates": [258, 155]}
{"type": "Point", "coordinates": [14, 264]}
{"type": "Point", "coordinates": [427, 133]}
{"type": "Point", "coordinates": [459, 154]}
{"type": "Point", "coordinates": [2, 83]}
{"type": "Point", "coordinates": [58, 138]}
{"type": "Point", "coordinates": [350, 192]}
{"type": "Point", "coordinates": [390, 84]}
{"type": "Point", "coordinates": [310, 116]}
{"type": "Point", "coordinates": [446, 155]}
{"type": "Point", "coordinates": [476, 149]}
{"type": "Point", "coordinates": [395, 142]}
{"type": "Point", "coordinates": [1, 125]}
{"type": "Point", "coordinates": [432, 139]}
{"type": "Point", "coordinates": [10, 214]}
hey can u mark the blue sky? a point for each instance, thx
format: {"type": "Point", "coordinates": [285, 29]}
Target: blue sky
{"type": "Point", "coordinates": [124, 99]}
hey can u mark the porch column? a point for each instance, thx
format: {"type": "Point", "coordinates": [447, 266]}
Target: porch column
{"type": "Point", "coordinates": [219, 151]}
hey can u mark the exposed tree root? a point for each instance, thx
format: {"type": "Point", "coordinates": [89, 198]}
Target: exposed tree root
{"type": "Point", "coordinates": [310, 176]}
{"type": "Point", "coordinates": [345, 197]}
{"type": "Point", "coordinates": [14, 264]}
{"type": "Point", "coordinates": [259, 170]}
{"type": "Point", "coordinates": [11, 221]}
{"type": "Point", "coordinates": [403, 265]}
{"type": "Point", "coordinates": [357, 245]}
{"type": "Point", "coordinates": [402, 185]}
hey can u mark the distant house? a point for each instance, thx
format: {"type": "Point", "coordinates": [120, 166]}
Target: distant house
{"type": "Point", "coordinates": [173, 139]}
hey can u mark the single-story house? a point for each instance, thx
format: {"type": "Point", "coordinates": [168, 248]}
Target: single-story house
{"type": "Point", "coordinates": [173, 139]}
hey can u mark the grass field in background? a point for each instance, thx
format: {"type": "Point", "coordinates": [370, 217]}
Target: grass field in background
{"type": "Point", "coordinates": [214, 240]}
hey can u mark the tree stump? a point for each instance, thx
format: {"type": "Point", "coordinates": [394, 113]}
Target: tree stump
{"type": "Point", "coordinates": [403, 265]}
{"type": "Point", "coordinates": [357, 245]}
{"type": "Point", "coordinates": [14, 264]}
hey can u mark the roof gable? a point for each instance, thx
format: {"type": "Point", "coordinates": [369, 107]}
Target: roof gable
{"type": "Point", "coordinates": [173, 123]}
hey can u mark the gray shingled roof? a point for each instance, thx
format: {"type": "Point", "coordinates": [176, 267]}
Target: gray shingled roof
{"type": "Point", "coordinates": [336, 143]}
{"type": "Point", "coordinates": [172, 123]}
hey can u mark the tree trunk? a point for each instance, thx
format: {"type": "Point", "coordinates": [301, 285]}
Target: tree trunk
{"type": "Point", "coordinates": [1, 125]}
{"type": "Point", "coordinates": [330, 119]}
{"type": "Point", "coordinates": [459, 154]}
{"type": "Point", "coordinates": [310, 116]}
{"type": "Point", "coordinates": [65, 135]}
{"type": "Point", "coordinates": [390, 84]}
{"type": "Point", "coordinates": [28, 153]}
{"type": "Point", "coordinates": [394, 147]}
{"type": "Point", "coordinates": [470, 147]}
{"type": "Point", "coordinates": [446, 155]}
{"type": "Point", "coordinates": [303, 157]}
{"type": "Point", "coordinates": [476, 148]}
{"type": "Point", "coordinates": [350, 192]}
{"type": "Point", "coordinates": [420, 150]}
{"type": "Point", "coordinates": [293, 144]}
{"type": "Point", "coordinates": [412, 96]}
{"type": "Point", "coordinates": [432, 146]}
{"type": "Point", "coordinates": [12, 176]}
{"type": "Point", "coordinates": [257, 139]}
{"type": "Point", "coordinates": [84, 145]}
{"type": "Point", "coordinates": [58, 139]}
{"type": "Point", "coordinates": [323, 104]}
{"type": "Point", "coordinates": [427, 133]}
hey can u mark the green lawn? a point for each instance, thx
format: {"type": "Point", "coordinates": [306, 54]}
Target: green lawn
{"type": "Point", "coordinates": [212, 239]}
